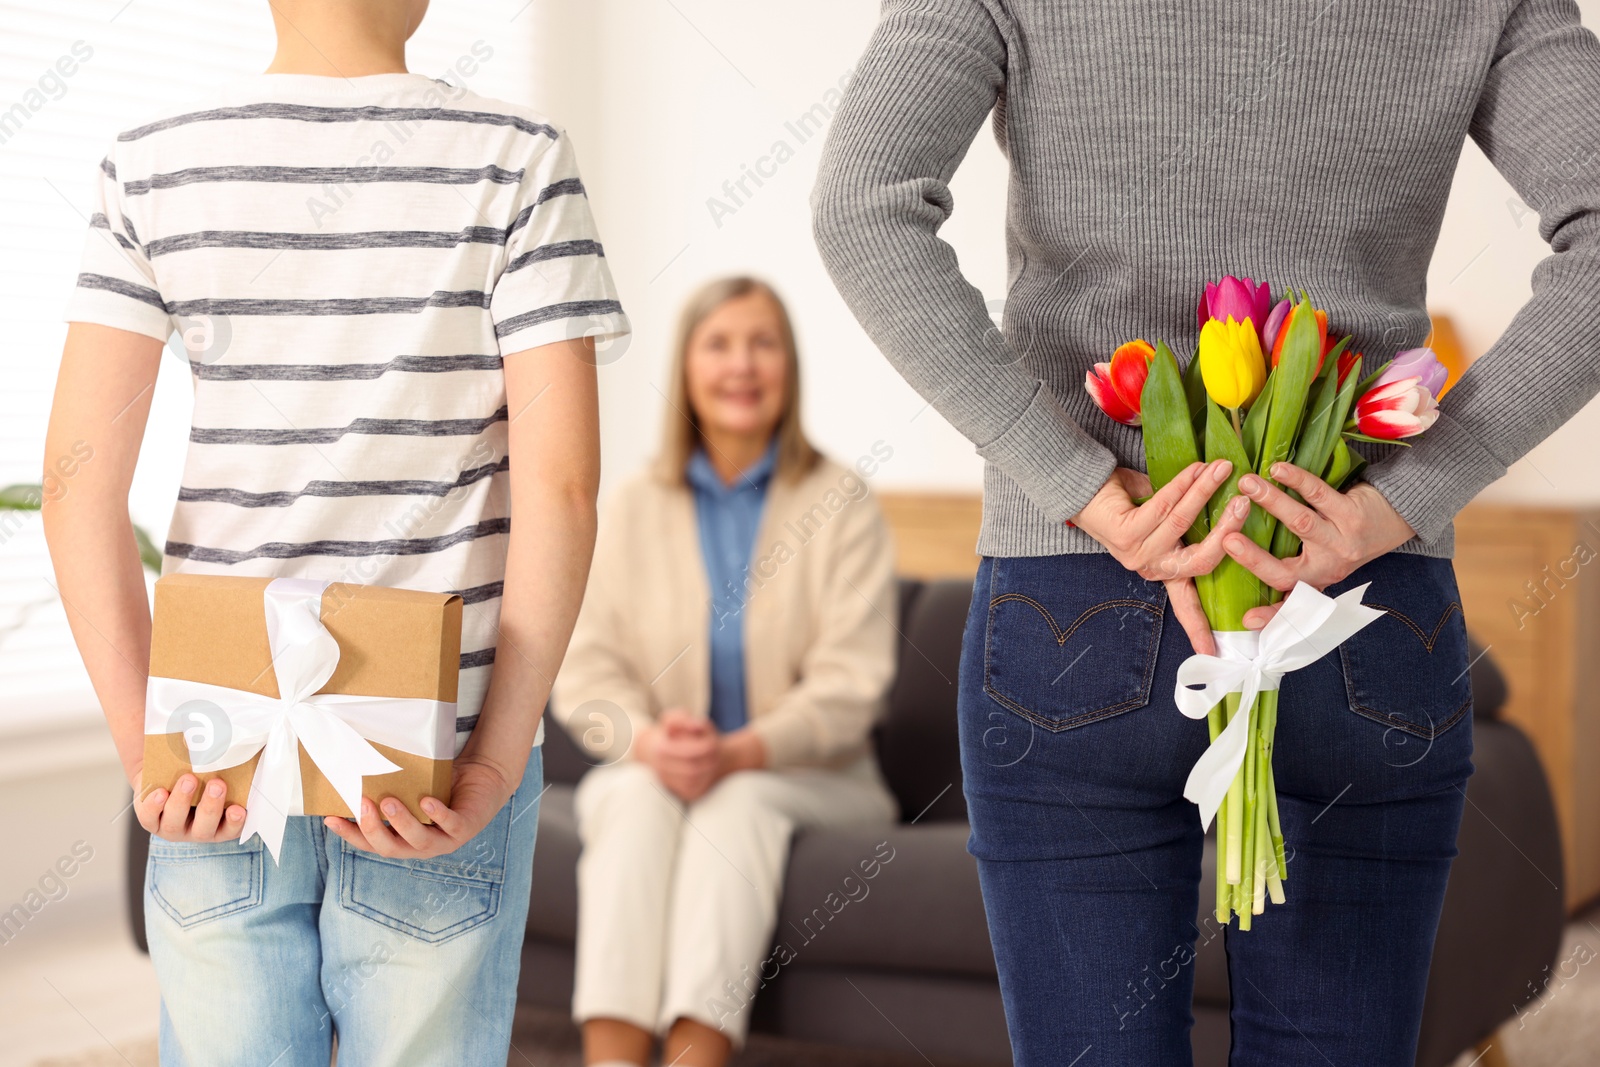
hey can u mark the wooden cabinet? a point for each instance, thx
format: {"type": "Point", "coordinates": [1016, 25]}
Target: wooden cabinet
{"type": "Point", "coordinates": [934, 533]}
{"type": "Point", "coordinates": [1530, 588]}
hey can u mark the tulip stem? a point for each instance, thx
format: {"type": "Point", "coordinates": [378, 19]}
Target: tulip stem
{"type": "Point", "coordinates": [1233, 856]}
{"type": "Point", "coordinates": [1233, 414]}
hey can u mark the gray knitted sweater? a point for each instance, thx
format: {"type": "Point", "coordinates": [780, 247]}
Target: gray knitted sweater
{"type": "Point", "coordinates": [1156, 146]}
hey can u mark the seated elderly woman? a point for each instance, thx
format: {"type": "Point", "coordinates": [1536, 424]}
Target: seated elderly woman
{"type": "Point", "coordinates": [737, 629]}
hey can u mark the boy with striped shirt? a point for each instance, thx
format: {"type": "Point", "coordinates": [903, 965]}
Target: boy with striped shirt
{"type": "Point", "coordinates": [378, 379]}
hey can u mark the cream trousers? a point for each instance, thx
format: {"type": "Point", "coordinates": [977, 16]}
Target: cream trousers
{"type": "Point", "coordinates": [677, 902]}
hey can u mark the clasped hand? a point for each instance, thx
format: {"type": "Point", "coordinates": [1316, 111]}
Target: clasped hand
{"type": "Point", "coordinates": [1339, 532]}
{"type": "Point", "coordinates": [690, 755]}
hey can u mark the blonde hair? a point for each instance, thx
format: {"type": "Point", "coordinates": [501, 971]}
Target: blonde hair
{"type": "Point", "coordinates": [681, 430]}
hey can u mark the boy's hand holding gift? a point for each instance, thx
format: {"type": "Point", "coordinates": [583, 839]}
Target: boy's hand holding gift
{"type": "Point", "coordinates": [1270, 402]}
{"type": "Point", "coordinates": [298, 697]}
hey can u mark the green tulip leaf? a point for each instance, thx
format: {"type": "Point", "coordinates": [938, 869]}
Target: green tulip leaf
{"type": "Point", "coordinates": [1372, 379]}
{"type": "Point", "coordinates": [1194, 390]}
{"type": "Point", "coordinates": [1231, 590]}
{"type": "Point", "coordinates": [1169, 442]}
{"type": "Point", "coordinates": [1255, 421]}
{"type": "Point", "coordinates": [1297, 365]}
{"type": "Point", "coordinates": [1352, 435]}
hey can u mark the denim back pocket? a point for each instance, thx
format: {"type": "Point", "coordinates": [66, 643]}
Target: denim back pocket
{"type": "Point", "coordinates": [1409, 670]}
{"type": "Point", "coordinates": [196, 883]}
{"type": "Point", "coordinates": [1071, 639]}
{"type": "Point", "coordinates": [431, 900]}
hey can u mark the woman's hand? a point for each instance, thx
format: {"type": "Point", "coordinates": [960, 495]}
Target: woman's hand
{"type": "Point", "coordinates": [682, 749]}
{"type": "Point", "coordinates": [176, 817]}
{"type": "Point", "coordinates": [478, 790]}
{"type": "Point", "coordinates": [1338, 532]}
{"type": "Point", "coordinates": [690, 755]}
{"type": "Point", "coordinates": [1148, 538]}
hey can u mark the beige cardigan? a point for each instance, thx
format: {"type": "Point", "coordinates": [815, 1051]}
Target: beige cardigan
{"type": "Point", "coordinates": [819, 629]}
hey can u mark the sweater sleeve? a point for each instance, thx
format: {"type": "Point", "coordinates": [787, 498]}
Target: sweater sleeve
{"type": "Point", "coordinates": [846, 671]}
{"type": "Point", "coordinates": [932, 72]}
{"type": "Point", "coordinates": [1538, 121]}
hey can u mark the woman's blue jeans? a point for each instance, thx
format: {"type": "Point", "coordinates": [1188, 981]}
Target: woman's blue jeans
{"type": "Point", "coordinates": [1075, 756]}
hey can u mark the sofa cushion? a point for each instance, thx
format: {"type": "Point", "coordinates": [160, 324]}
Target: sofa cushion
{"type": "Point", "coordinates": [902, 898]}
{"type": "Point", "coordinates": [853, 897]}
{"type": "Point", "coordinates": [917, 743]}
{"type": "Point", "coordinates": [553, 902]}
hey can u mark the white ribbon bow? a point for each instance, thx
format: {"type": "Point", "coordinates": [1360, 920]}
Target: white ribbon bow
{"type": "Point", "coordinates": [1308, 626]}
{"type": "Point", "coordinates": [334, 728]}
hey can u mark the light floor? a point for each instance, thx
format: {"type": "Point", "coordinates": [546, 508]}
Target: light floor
{"type": "Point", "coordinates": [74, 992]}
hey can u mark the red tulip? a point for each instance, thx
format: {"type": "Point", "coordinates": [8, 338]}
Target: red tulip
{"type": "Point", "coordinates": [1396, 410]}
{"type": "Point", "coordinates": [1347, 363]}
{"type": "Point", "coordinates": [1116, 387]}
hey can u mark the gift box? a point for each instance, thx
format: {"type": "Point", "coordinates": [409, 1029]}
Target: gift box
{"type": "Point", "coordinates": [367, 704]}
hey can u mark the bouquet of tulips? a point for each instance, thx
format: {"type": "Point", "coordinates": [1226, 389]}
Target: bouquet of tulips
{"type": "Point", "coordinates": [1267, 385]}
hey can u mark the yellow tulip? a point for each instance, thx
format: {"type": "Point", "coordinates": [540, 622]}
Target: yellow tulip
{"type": "Point", "coordinates": [1231, 364]}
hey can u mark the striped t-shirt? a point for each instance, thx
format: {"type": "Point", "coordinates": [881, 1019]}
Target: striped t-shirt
{"type": "Point", "coordinates": [347, 262]}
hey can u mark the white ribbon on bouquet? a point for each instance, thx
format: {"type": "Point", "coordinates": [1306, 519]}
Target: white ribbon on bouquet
{"type": "Point", "coordinates": [1307, 627]}
{"type": "Point", "coordinates": [336, 729]}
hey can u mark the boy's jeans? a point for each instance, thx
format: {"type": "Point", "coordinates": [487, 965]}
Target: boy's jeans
{"type": "Point", "coordinates": [412, 962]}
{"type": "Point", "coordinates": [1075, 758]}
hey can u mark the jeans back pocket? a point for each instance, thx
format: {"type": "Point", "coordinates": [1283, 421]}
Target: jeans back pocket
{"type": "Point", "coordinates": [1408, 670]}
{"type": "Point", "coordinates": [196, 883]}
{"type": "Point", "coordinates": [1070, 639]}
{"type": "Point", "coordinates": [431, 900]}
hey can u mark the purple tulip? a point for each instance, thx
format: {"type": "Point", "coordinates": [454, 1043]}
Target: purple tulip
{"type": "Point", "coordinates": [1238, 298]}
{"type": "Point", "coordinates": [1275, 321]}
{"type": "Point", "coordinates": [1420, 363]}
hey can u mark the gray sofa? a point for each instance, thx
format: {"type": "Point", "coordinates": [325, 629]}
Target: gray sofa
{"type": "Point", "coordinates": [907, 968]}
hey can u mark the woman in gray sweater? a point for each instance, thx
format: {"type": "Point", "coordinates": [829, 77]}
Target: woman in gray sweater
{"type": "Point", "coordinates": [1153, 148]}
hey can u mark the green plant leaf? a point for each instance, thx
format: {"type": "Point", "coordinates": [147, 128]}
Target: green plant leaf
{"type": "Point", "coordinates": [1339, 464]}
{"type": "Point", "coordinates": [1347, 394]}
{"type": "Point", "coordinates": [21, 497]}
{"type": "Point", "coordinates": [1316, 439]}
{"type": "Point", "coordinates": [1223, 443]}
{"type": "Point", "coordinates": [1352, 435]}
{"type": "Point", "coordinates": [1231, 590]}
{"type": "Point", "coordinates": [1255, 420]}
{"type": "Point", "coordinates": [1194, 390]}
{"type": "Point", "coordinates": [149, 554]}
{"type": "Point", "coordinates": [1297, 365]}
{"type": "Point", "coordinates": [1169, 444]}
{"type": "Point", "coordinates": [1372, 379]}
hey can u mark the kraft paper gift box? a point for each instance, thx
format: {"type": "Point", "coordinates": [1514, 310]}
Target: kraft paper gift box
{"type": "Point", "coordinates": [222, 642]}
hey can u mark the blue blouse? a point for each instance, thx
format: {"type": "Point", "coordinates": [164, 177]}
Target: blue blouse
{"type": "Point", "coordinates": [728, 517]}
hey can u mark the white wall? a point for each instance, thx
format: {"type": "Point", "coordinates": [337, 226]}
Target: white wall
{"type": "Point", "coordinates": [689, 93]}
{"type": "Point", "coordinates": [1481, 276]}
{"type": "Point", "coordinates": [684, 94]}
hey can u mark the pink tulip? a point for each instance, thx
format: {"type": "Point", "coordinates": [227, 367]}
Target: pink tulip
{"type": "Point", "coordinates": [1396, 410]}
{"type": "Point", "coordinates": [1275, 320]}
{"type": "Point", "coordinates": [1241, 298]}
{"type": "Point", "coordinates": [1420, 363]}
